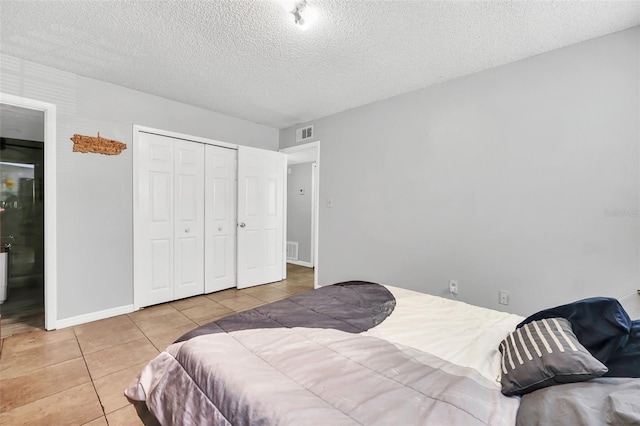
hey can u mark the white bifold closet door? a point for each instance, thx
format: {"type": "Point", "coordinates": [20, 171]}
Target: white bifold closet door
{"type": "Point", "coordinates": [170, 248]}
{"type": "Point", "coordinates": [189, 219]}
{"type": "Point", "coordinates": [220, 218]}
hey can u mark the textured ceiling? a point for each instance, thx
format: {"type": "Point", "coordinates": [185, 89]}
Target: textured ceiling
{"type": "Point", "coordinates": [249, 60]}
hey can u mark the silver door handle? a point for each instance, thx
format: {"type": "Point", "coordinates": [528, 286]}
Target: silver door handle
{"type": "Point", "coordinates": [242, 224]}
{"type": "Point", "coordinates": [187, 230]}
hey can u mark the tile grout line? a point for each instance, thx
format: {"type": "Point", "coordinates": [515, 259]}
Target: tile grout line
{"type": "Point", "coordinates": [148, 338]}
{"type": "Point", "coordinates": [90, 377]}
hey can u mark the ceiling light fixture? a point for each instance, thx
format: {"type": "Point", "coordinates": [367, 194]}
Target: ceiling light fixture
{"type": "Point", "coordinates": [297, 11]}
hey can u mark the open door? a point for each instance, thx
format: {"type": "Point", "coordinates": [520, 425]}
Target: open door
{"type": "Point", "coordinates": [261, 183]}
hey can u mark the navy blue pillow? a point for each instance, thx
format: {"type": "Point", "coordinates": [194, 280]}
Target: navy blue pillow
{"type": "Point", "coordinates": [604, 328]}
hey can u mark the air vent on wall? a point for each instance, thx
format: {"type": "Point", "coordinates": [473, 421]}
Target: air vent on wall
{"type": "Point", "coordinates": [304, 133]}
{"type": "Point", "coordinates": [292, 250]}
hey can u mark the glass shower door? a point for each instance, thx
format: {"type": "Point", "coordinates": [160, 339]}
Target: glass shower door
{"type": "Point", "coordinates": [22, 232]}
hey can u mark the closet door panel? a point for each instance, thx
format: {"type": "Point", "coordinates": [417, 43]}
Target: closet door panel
{"type": "Point", "coordinates": [154, 226]}
{"type": "Point", "coordinates": [189, 219]}
{"type": "Point", "coordinates": [161, 259]}
{"type": "Point", "coordinates": [220, 218]}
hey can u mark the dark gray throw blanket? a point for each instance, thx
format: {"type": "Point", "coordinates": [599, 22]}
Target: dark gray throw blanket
{"type": "Point", "coordinates": [352, 306]}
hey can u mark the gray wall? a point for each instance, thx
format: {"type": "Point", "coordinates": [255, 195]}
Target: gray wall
{"type": "Point", "coordinates": [505, 179]}
{"type": "Point", "coordinates": [94, 192]}
{"type": "Point", "coordinates": [299, 208]}
{"type": "Point", "coordinates": [21, 123]}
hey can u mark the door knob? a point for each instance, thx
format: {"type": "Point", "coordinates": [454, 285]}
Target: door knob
{"type": "Point", "coordinates": [242, 225]}
{"type": "Point", "coordinates": [219, 228]}
{"type": "Point", "coordinates": [187, 230]}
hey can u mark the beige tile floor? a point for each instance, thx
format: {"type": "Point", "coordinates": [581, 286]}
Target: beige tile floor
{"type": "Point", "coordinates": [77, 375]}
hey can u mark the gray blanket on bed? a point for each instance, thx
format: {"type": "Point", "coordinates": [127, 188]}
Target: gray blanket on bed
{"type": "Point", "coordinates": [312, 376]}
{"type": "Point", "coordinates": [603, 401]}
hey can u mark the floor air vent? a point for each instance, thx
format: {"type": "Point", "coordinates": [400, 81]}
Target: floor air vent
{"type": "Point", "coordinates": [292, 250]}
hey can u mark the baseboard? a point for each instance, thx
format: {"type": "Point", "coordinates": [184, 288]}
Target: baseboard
{"type": "Point", "coordinates": [93, 316]}
{"type": "Point", "coordinates": [300, 263]}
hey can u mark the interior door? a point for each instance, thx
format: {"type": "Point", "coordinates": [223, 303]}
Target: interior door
{"type": "Point", "coordinates": [153, 268]}
{"type": "Point", "coordinates": [220, 218]}
{"type": "Point", "coordinates": [189, 219]}
{"type": "Point", "coordinates": [261, 180]}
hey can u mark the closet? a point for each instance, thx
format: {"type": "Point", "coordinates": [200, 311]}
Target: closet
{"type": "Point", "coordinates": [207, 217]}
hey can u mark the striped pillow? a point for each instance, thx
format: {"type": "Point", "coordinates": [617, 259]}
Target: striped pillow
{"type": "Point", "coordinates": [545, 353]}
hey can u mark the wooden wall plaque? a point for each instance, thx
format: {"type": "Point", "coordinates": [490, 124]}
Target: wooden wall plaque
{"type": "Point", "coordinates": [97, 144]}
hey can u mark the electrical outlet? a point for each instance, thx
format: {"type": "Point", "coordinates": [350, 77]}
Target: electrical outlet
{"type": "Point", "coordinates": [503, 297]}
{"type": "Point", "coordinates": [453, 287]}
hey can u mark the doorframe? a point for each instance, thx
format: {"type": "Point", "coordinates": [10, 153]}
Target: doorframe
{"type": "Point", "coordinates": [314, 212]}
{"type": "Point", "coordinates": [315, 202]}
{"type": "Point", "coordinates": [50, 231]}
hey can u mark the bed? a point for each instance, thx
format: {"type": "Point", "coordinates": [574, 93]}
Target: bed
{"type": "Point", "coordinates": [351, 353]}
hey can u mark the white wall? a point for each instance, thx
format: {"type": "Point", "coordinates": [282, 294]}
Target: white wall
{"type": "Point", "coordinates": [95, 222]}
{"type": "Point", "coordinates": [299, 208]}
{"type": "Point", "coordinates": [501, 180]}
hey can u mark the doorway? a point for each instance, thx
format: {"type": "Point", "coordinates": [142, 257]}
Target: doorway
{"type": "Point", "coordinates": [303, 167]}
{"type": "Point", "coordinates": [28, 132]}
{"type": "Point", "coordinates": [21, 235]}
